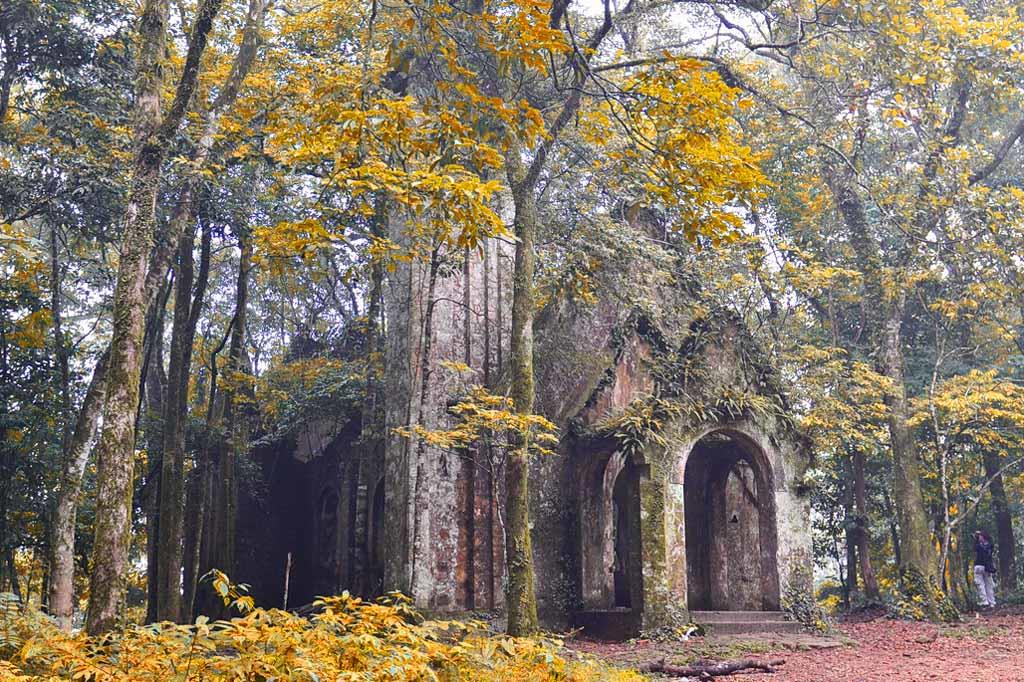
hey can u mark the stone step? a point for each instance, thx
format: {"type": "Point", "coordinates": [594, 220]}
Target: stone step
{"type": "Point", "coordinates": [608, 624]}
{"type": "Point", "coordinates": [737, 616]}
{"type": "Point", "coordinates": [788, 627]}
{"type": "Point", "coordinates": [745, 622]}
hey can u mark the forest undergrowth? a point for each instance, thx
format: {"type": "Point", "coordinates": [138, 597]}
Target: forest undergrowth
{"type": "Point", "coordinates": [347, 638]}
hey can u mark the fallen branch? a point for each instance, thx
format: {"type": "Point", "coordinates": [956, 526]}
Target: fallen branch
{"type": "Point", "coordinates": [706, 671]}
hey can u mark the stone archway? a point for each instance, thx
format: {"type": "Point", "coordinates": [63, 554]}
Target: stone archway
{"type": "Point", "coordinates": [375, 541]}
{"type": "Point", "coordinates": [327, 560]}
{"type": "Point", "coordinates": [611, 559]}
{"type": "Point", "coordinates": [730, 526]}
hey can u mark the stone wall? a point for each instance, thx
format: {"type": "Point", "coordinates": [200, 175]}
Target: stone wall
{"type": "Point", "coordinates": [563, 482]}
{"type": "Point", "coordinates": [438, 531]}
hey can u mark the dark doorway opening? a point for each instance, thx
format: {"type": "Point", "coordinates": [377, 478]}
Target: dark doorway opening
{"type": "Point", "coordinates": [731, 536]}
{"type": "Point", "coordinates": [328, 559]}
{"type": "Point", "coordinates": [376, 541]}
{"type": "Point", "coordinates": [611, 557]}
{"type": "Point", "coordinates": [626, 567]}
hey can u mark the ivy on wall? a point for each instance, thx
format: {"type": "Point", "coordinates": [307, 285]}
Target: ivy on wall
{"type": "Point", "coordinates": [687, 390]}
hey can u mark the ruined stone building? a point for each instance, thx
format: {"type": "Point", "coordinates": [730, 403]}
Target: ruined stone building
{"type": "Point", "coordinates": [678, 484]}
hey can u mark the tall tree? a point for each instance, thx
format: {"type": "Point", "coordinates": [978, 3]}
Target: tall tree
{"type": "Point", "coordinates": [153, 133]}
{"type": "Point", "coordinates": [187, 309]}
{"type": "Point", "coordinates": [898, 118]}
{"type": "Point", "coordinates": [511, 62]}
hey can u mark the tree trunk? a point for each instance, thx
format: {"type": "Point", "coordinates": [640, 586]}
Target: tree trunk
{"type": "Point", "coordinates": [203, 525]}
{"type": "Point", "coordinates": [196, 503]}
{"type": "Point", "coordinates": [187, 308]}
{"type": "Point", "coordinates": [889, 301]}
{"type": "Point", "coordinates": [499, 311]}
{"type": "Point", "coordinates": [915, 537]}
{"type": "Point", "coordinates": [373, 416]}
{"type": "Point", "coordinates": [867, 571]}
{"type": "Point", "coordinates": [487, 314]}
{"type": "Point", "coordinates": [76, 457]}
{"type": "Point", "coordinates": [62, 543]}
{"type": "Point", "coordinates": [152, 544]}
{"type": "Point", "coordinates": [1006, 545]}
{"type": "Point", "coordinates": [850, 586]}
{"type": "Point", "coordinates": [7, 82]}
{"type": "Point", "coordinates": [15, 583]}
{"type": "Point", "coordinates": [520, 598]}
{"type": "Point", "coordinates": [186, 316]}
{"type": "Point", "coordinates": [172, 465]}
{"type": "Point", "coordinates": [225, 499]}
{"type": "Point", "coordinates": [420, 503]}
{"type": "Point", "coordinates": [155, 393]}
{"type": "Point", "coordinates": [60, 346]}
{"type": "Point", "coordinates": [894, 531]}
{"type": "Point", "coordinates": [918, 561]}
{"type": "Point", "coordinates": [116, 452]}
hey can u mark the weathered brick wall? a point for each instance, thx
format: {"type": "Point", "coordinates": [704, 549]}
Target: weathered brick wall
{"type": "Point", "coordinates": [441, 539]}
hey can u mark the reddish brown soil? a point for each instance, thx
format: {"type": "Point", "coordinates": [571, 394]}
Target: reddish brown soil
{"type": "Point", "coordinates": [989, 648]}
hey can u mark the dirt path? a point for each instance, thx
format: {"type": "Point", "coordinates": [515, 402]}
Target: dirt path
{"type": "Point", "coordinates": [989, 648]}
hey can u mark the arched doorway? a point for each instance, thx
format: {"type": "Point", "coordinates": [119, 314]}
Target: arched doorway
{"type": "Point", "coordinates": [611, 558]}
{"type": "Point", "coordinates": [327, 548]}
{"type": "Point", "coordinates": [731, 536]}
{"type": "Point", "coordinates": [376, 541]}
{"type": "Point", "coordinates": [627, 568]}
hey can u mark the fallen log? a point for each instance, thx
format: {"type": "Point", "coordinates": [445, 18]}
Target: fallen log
{"type": "Point", "coordinates": [706, 671]}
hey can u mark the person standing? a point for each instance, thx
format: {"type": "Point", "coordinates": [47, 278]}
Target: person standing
{"type": "Point", "coordinates": [984, 568]}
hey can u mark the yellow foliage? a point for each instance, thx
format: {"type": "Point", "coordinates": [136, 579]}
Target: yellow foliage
{"type": "Point", "coordinates": [347, 639]}
{"type": "Point", "coordinates": [481, 414]}
{"type": "Point", "coordinates": [683, 153]}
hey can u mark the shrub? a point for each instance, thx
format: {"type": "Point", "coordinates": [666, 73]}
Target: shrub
{"type": "Point", "coordinates": [919, 598]}
{"type": "Point", "coordinates": [798, 600]}
{"type": "Point", "coordinates": [348, 639]}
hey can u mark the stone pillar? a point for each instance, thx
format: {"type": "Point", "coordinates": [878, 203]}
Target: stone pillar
{"type": "Point", "coordinates": [660, 599]}
{"type": "Point", "coordinates": [675, 543]}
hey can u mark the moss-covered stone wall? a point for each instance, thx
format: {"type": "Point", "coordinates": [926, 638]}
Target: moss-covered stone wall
{"type": "Point", "coordinates": [717, 381]}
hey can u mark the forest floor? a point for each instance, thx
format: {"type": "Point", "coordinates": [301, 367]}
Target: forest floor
{"type": "Point", "coordinates": [987, 647]}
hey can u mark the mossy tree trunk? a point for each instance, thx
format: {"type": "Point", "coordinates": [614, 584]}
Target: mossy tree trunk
{"type": "Point", "coordinates": [520, 597]}
{"type": "Point", "coordinates": [888, 302]}
{"type": "Point", "coordinates": [62, 539]}
{"type": "Point", "coordinates": [523, 178]}
{"type": "Point", "coordinates": [75, 459]}
{"type": "Point", "coordinates": [915, 536]}
{"type": "Point", "coordinates": [116, 451]}
{"type": "Point", "coordinates": [862, 536]}
{"type": "Point", "coordinates": [187, 307]}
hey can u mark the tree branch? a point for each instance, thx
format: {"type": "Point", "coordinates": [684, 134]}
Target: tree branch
{"type": "Point", "coordinates": [190, 74]}
{"type": "Point", "coordinates": [1000, 155]}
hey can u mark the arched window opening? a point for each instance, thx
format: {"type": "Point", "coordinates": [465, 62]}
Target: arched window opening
{"type": "Point", "coordinates": [731, 544]}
